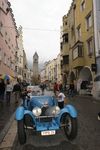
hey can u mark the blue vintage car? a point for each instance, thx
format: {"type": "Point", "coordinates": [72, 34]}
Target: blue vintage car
{"type": "Point", "coordinates": [42, 114]}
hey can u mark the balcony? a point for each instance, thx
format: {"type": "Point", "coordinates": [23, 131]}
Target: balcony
{"type": "Point", "coordinates": [77, 53]}
{"type": "Point", "coordinates": [79, 62]}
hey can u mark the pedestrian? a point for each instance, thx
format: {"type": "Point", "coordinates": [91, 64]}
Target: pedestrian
{"type": "Point", "coordinates": [42, 86]}
{"type": "Point", "coordinates": [71, 89]}
{"type": "Point", "coordinates": [60, 86]}
{"type": "Point", "coordinates": [61, 97]}
{"type": "Point", "coordinates": [55, 88]}
{"type": "Point", "coordinates": [2, 90]}
{"type": "Point", "coordinates": [9, 89]}
{"type": "Point", "coordinates": [17, 91]}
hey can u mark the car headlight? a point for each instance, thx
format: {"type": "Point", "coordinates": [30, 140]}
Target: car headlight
{"type": "Point", "coordinates": [56, 110]}
{"type": "Point", "coordinates": [37, 111]}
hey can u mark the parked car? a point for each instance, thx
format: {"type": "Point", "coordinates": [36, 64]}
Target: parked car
{"type": "Point", "coordinates": [96, 87]}
{"type": "Point", "coordinates": [42, 114]}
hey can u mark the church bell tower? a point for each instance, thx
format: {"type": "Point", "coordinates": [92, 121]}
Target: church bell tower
{"type": "Point", "coordinates": [35, 68]}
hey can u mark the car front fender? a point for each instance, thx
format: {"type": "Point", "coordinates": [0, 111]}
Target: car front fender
{"type": "Point", "coordinates": [71, 110]}
{"type": "Point", "coordinates": [19, 113]}
{"type": "Point", "coordinates": [30, 113]}
{"type": "Point", "coordinates": [68, 109]}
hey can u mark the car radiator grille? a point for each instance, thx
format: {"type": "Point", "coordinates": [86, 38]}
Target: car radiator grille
{"type": "Point", "coordinates": [44, 118]}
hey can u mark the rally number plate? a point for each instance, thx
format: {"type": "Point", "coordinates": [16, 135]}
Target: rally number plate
{"type": "Point", "coordinates": [51, 132]}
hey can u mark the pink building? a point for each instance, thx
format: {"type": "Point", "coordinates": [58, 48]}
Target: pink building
{"type": "Point", "coordinates": [8, 39]}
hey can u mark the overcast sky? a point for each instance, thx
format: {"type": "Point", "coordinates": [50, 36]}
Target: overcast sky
{"type": "Point", "coordinates": [41, 21]}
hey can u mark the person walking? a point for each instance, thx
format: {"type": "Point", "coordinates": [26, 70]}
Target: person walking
{"type": "Point", "coordinates": [71, 89]}
{"type": "Point", "coordinates": [55, 88]}
{"type": "Point", "coordinates": [17, 91]}
{"type": "Point", "coordinates": [42, 86]}
{"type": "Point", "coordinates": [9, 89]}
{"type": "Point", "coordinates": [2, 90]}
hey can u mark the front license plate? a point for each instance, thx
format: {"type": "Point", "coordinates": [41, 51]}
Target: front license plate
{"type": "Point", "coordinates": [44, 133]}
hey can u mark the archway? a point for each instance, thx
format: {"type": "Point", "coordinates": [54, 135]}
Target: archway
{"type": "Point", "coordinates": [85, 74]}
{"type": "Point", "coordinates": [84, 81]}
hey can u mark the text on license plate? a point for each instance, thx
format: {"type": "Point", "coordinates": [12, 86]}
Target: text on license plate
{"type": "Point", "coordinates": [52, 132]}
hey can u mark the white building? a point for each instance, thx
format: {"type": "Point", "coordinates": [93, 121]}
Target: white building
{"type": "Point", "coordinates": [96, 7]}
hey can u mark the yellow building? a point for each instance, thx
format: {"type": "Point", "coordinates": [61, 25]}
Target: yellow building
{"type": "Point", "coordinates": [77, 46]}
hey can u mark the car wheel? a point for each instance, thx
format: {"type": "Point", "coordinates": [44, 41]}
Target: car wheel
{"type": "Point", "coordinates": [21, 132]}
{"type": "Point", "coordinates": [70, 126]}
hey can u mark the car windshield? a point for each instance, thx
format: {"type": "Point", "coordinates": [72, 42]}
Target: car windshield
{"type": "Point", "coordinates": [33, 90]}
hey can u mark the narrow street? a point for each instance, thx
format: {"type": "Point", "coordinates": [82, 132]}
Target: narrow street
{"type": "Point", "coordinates": [52, 45]}
{"type": "Point", "coordinates": [88, 131]}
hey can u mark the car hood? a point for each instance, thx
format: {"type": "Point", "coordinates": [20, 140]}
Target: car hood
{"type": "Point", "coordinates": [40, 101]}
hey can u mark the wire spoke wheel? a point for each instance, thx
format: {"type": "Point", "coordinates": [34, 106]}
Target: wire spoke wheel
{"type": "Point", "coordinates": [70, 127]}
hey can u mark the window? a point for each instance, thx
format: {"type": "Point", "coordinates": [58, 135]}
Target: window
{"type": "Point", "coordinates": [65, 38]}
{"type": "Point", "coordinates": [78, 51]}
{"type": "Point", "coordinates": [1, 25]}
{"type": "Point", "coordinates": [72, 31]}
{"type": "Point", "coordinates": [78, 32]}
{"type": "Point", "coordinates": [82, 6]}
{"type": "Point", "coordinates": [6, 33]}
{"type": "Point", "coordinates": [0, 54]}
{"type": "Point", "coordinates": [66, 59]}
{"type": "Point", "coordinates": [61, 45]}
{"type": "Point", "coordinates": [66, 23]}
{"type": "Point", "coordinates": [2, 4]}
{"type": "Point", "coordinates": [8, 62]}
{"type": "Point", "coordinates": [16, 68]}
{"type": "Point", "coordinates": [88, 21]}
{"type": "Point", "coordinates": [5, 60]}
{"type": "Point", "coordinates": [90, 46]}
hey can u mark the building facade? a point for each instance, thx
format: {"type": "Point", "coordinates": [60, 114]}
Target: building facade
{"type": "Point", "coordinates": [19, 65]}
{"type": "Point", "coordinates": [8, 39]}
{"type": "Point", "coordinates": [78, 43]}
{"type": "Point", "coordinates": [96, 10]}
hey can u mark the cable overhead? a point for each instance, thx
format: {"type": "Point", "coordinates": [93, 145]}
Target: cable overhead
{"type": "Point", "coordinates": [35, 29]}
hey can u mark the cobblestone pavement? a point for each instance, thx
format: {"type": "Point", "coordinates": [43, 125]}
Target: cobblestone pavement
{"type": "Point", "coordinates": [89, 127]}
{"type": "Point", "coordinates": [88, 137]}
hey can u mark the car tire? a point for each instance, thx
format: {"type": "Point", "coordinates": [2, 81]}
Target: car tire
{"type": "Point", "coordinates": [21, 132]}
{"type": "Point", "coordinates": [70, 127]}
